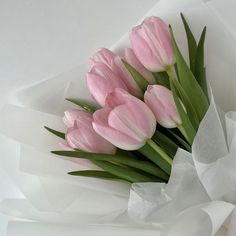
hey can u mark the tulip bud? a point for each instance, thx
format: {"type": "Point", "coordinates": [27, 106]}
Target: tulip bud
{"type": "Point", "coordinates": [160, 100]}
{"type": "Point", "coordinates": [83, 137]}
{"type": "Point", "coordinates": [101, 80]}
{"type": "Point", "coordinates": [152, 45]}
{"type": "Point", "coordinates": [104, 56]}
{"type": "Point", "coordinates": [131, 84]}
{"type": "Point", "coordinates": [75, 115]}
{"type": "Point", "coordinates": [125, 121]}
{"type": "Point", "coordinates": [131, 58]}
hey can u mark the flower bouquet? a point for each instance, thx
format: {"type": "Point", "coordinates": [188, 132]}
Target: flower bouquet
{"type": "Point", "coordinates": [151, 83]}
{"type": "Point", "coordinates": [152, 154]}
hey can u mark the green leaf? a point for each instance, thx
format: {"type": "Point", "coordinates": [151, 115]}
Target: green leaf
{"type": "Point", "coordinates": [192, 45]}
{"type": "Point", "coordinates": [162, 78]}
{"type": "Point", "coordinates": [85, 105]}
{"type": "Point", "coordinates": [187, 103]}
{"type": "Point", "coordinates": [139, 79]}
{"type": "Point", "coordinates": [156, 158]}
{"type": "Point", "coordinates": [145, 166]}
{"type": "Point", "coordinates": [125, 173]}
{"type": "Point", "coordinates": [55, 132]}
{"type": "Point", "coordinates": [189, 83]}
{"type": "Point", "coordinates": [93, 173]}
{"type": "Point", "coordinates": [199, 64]}
{"type": "Point", "coordinates": [165, 142]}
{"type": "Point", "coordinates": [186, 123]}
{"type": "Point", "coordinates": [184, 144]}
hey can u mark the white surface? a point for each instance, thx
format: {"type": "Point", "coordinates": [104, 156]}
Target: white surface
{"type": "Point", "coordinates": [41, 38]}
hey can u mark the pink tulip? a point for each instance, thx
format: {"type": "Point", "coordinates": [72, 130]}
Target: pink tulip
{"type": "Point", "coordinates": [152, 45]}
{"type": "Point", "coordinates": [83, 137]}
{"type": "Point", "coordinates": [104, 56]}
{"type": "Point", "coordinates": [160, 100]}
{"type": "Point", "coordinates": [131, 84]}
{"type": "Point", "coordinates": [131, 58]}
{"type": "Point", "coordinates": [101, 80]}
{"type": "Point", "coordinates": [75, 115]}
{"type": "Point", "coordinates": [125, 121]}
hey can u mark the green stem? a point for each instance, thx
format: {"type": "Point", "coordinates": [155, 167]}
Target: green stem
{"type": "Point", "coordinates": [165, 142]}
{"type": "Point", "coordinates": [181, 140]}
{"type": "Point", "coordinates": [162, 153]}
{"type": "Point", "coordinates": [183, 131]}
{"type": "Point", "coordinates": [170, 73]}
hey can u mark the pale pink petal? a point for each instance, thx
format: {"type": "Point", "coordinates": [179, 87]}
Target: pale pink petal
{"type": "Point", "coordinates": [73, 115]}
{"type": "Point", "coordinates": [117, 138]}
{"type": "Point", "coordinates": [161, 102]}
{"type": "Point", "coordinates": [144, 53]}
{"type": "Point", "coordinates": [152, 44]}
{"type": "Point", "coordinates": [129, 81]}
{"type": "Point", "coordinates": [131, 58]}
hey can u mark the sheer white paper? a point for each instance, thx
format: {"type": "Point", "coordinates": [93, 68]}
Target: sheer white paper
{"type": "Point", "coordinates": [200, 197]}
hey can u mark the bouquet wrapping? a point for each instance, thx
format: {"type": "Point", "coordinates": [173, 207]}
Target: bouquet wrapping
{"type": "Point", "coordinates": [200, 194]}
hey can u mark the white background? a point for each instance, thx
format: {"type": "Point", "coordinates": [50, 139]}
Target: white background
{"type": "Point", "coordinates": [41, 38]}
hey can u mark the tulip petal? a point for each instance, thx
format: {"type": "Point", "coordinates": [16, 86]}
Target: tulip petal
{"type": "Point", "coordinates": [130, 57]}
{"type": "Point", "coordinates": [152, 44]}
{"type": "Point", "coordinates": [76, 115]}
{"type": "Point", "coordinates": [101, 80]}
{"type": "Point", "coordinates": [106, 57]}
{"type": "Point", "coordinates": [116, 98]}
{"type": "Point", "coordinates": [136, 109]}
{"type": "Point", "coordinates": [144, 53]}
{"type": "Point", "coordinates": [161, 102]}
{"type": "Point", "coordinates": [116, 137]}
{"type": "Point", "coordinates": [129, 81]}
{"type": "Point", "coordinates": [98, 87]}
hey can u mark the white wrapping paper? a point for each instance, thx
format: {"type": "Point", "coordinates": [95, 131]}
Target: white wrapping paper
{"type": "Point", "coordinates": [200, 197]}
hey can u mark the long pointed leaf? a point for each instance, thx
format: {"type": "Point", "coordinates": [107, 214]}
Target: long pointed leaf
{"type": "Point", "coordinates": [162, 78]}
{"type": "Point", "coordinates": [85, 105]}
{"type": "Point", "coordinates": [185, 145]}
{"type": "Point", "coordinates": [186, 123]}
{"type": "Point", "coordinates": [199, 64]}
{"type": "Point", "coordinates": [156, 158]}
{"type": "Point", "coordinates": [189, 83]}
{"type": "Point", "coordinates": [192, 44]}
{"type": "Point", "coordinates": [187, 103]}
{"type": "Point", "coordinates": [121, 159]}
{"type": "Point", "coordinates": [55, 132]}
{"type": "Point", "coordinates": [127, 174]}
{"type": "Point", "coordinates": [164, 142]}
{"type": "Point", "coordinates": [139, 79]}
{"type": "Point", "coordinates": [93, 173]}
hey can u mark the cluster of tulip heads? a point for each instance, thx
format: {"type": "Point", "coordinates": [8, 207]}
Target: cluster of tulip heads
{"type": "Point", "coordinates": [149, 102]}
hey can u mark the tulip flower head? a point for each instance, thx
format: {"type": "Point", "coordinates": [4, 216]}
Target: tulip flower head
{"type": "Point", "coordinates": [104, 56]}
{"type": "Point", "coordinates": [152, 44]}
{"type": "Point", "coordinates": [160, 100]}
{"type": "Point", "coordinates": [101, 80]}
{"type": "Point", "coordinates": [131, 58]}
{"type": "Point", "coordinates": [82, 135]}
{"type": "Point", "coordinates": [75, 115]}
{"type": "Point", "coordinates": [125, 121]}
{"type": "Point", "coordinates": [131, 84]}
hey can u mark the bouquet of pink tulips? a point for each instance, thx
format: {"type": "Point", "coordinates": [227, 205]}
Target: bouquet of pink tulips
{"type": "Point", "coordinates": [149, 101]}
